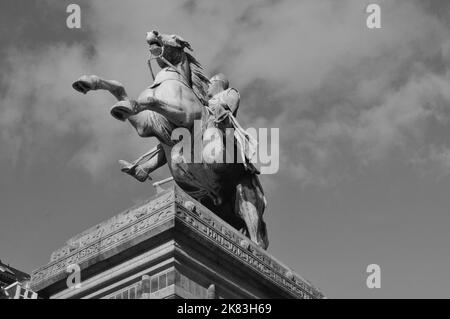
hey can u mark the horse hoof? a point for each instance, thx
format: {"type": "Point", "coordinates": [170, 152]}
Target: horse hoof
{"type": "Point", "coordinates": [122, 110]}
{"type": "Point", "coordinates": [80, 87]}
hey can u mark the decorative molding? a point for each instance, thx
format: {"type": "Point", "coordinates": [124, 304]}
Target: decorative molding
{"type": "Point", "coordinates": [110, 226]}
{"type": "Point", "coordinates": [101, 245]}
{"type": "Point", "coordinates": [211, 227]}
{"type": "Point", "coordinates": [176, 205]}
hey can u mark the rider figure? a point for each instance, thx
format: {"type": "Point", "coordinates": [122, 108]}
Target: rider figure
{"type": "Point", "coordinates": [221, 97]}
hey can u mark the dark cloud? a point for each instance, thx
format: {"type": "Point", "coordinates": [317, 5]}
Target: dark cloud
{"type": "Point", "coordinates": [339, 92]}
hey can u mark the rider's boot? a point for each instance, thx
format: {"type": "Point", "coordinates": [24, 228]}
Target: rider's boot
{"type": "Point", "coordinates": [134, 170]}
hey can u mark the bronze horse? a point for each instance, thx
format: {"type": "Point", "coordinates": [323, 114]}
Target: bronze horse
{"type": "Point", "coordinates": [176, 99]}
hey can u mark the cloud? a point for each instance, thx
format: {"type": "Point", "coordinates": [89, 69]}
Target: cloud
{"type": "Point", "coordinates": [433, 161]}
{"type": "Point", "coordinates": [343, 96]}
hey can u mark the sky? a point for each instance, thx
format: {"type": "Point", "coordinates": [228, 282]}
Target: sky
{"type": "Point", "coordinates": [364, 119]}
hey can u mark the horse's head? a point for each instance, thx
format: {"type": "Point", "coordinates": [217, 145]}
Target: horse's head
{"type": "Point", "coordinates": [170, 48]}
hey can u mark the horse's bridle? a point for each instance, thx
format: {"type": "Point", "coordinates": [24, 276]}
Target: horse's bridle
{"type": "Point", "coordinates": [161, 56]}
{"type": "Point", "coordinates": [154, 57]}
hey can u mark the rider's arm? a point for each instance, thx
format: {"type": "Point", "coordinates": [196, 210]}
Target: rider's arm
{"type": "Point", "coordinates": [232, 100]}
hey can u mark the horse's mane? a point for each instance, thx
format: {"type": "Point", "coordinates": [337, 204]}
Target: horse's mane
{"type": "Point", "coordinates": [199, 81]}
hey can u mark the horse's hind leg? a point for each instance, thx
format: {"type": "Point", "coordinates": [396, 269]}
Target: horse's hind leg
{"type": "Point", "coordinates": [250, 204]}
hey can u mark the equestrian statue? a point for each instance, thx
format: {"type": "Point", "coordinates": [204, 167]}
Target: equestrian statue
{"type": "Point", "coordinates": [180, 96]}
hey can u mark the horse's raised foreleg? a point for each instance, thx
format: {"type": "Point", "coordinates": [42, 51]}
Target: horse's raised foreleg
{"type": "Point", "coordinates": [88, 83]}
{"type": "Point", "coordinates": [124, 108]}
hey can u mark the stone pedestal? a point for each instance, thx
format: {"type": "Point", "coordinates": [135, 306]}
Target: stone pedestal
{"type": "Point", "coordinates": [168, 247]}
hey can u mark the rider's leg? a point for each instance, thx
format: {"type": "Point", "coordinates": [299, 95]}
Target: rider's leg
{"type": "Point", "coordinates": [250, 205]}
{"type": "Point", "coordinates": [143, 166]}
